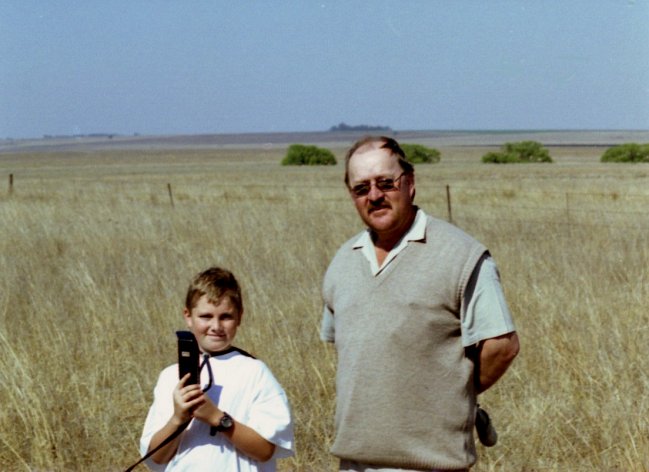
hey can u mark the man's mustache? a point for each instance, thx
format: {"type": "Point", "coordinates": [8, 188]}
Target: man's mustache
{"type": "Point", "coordinates": [379, 204]}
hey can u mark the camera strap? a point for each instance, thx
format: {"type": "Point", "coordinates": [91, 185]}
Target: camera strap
{"type": "Point", "coordinates": [182, 427]}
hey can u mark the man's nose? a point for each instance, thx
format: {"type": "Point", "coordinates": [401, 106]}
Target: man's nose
{"type": "Point", "coordinates": [375, 193]}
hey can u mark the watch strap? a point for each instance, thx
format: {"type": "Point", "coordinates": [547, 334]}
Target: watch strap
{"type": "Point", "coordinates": [226, 422]}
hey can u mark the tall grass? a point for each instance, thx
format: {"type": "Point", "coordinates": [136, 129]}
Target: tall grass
{"type": "Point", "coordinates": [95, 262]}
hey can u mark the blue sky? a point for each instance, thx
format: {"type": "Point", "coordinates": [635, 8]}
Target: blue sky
{"type": "Point", "coordinates": [211, 66]}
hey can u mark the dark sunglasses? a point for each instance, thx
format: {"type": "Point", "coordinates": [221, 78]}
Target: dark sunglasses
{"type": "Point", "coordinates": [384, 185]}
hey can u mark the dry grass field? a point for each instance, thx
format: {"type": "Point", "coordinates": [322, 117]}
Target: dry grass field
{"type": "Point", "coordinates": [95, 260]}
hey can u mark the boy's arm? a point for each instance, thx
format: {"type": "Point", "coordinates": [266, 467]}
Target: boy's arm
{"type": "Point", "coordinates": [248, 441]}
{"type": "Point", "coordinates": [243, 437]}
{"type": "Point", "coordinates": [165, 453]}
{"type": "Point", "coordinates": [185, 400]}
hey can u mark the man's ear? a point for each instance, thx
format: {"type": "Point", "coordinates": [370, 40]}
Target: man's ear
{"type": "Point", "coordinates": [412, 187]}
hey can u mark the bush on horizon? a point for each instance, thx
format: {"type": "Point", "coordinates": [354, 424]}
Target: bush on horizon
{"type": "Point", "coordinates": [629, 152]}
{"type": "Point", "coordinates": [302, 154]}
{"type": "Point", "coordinates": [420, 154]}
{"type": "Point", "coordinates": [518, 152]}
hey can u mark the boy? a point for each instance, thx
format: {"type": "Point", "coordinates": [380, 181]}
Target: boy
{"type": "Point", "coordinates": [241, 423]}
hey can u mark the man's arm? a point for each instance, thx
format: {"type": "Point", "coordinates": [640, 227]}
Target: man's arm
{"type": "Point", "coordinates": [494, 357]}
{"type": "Point", "coordinates": [486, 311]}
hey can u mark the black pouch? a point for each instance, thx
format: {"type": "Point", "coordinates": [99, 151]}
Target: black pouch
{"type": "Point", "coordinates": [485, 429]}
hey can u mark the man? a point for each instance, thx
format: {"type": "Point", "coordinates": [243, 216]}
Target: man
{"type": "Point", "coordinates": [417, 314]}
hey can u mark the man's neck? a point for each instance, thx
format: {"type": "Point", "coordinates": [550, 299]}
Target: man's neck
{"type": "Point", "coordinates": [385, 242]}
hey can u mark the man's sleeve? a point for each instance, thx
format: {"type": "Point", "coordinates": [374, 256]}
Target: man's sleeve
{"type": "Point", "coordinates": [486, 314]}
{"type": "Point", "coordinates": [327, 326]}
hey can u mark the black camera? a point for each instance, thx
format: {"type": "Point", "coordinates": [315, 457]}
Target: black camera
{"type": "Point", "coordinates": [485, 428]}
{"type": "Point", "coordinates": [188, 356]}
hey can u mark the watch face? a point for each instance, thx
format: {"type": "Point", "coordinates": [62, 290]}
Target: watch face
{"type": "Point", "coordinates": [226, 421]}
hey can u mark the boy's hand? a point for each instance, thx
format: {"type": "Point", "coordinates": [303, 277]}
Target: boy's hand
{"type": "Point", "coordinates": [208, 412]}
{"type": "Point", "coordinates": [186, 400]}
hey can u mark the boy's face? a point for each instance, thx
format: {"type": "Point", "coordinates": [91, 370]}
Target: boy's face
{"type": "Point", "coordinates": [214, 326]}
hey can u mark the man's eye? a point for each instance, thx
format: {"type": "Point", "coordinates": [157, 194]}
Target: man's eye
{"type": "Point", "coordinates": [361, 189]}
{"type": "Point", "coordinates": [385, 184]}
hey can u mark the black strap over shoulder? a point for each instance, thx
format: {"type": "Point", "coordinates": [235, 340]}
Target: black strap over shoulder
{"type": "Point", "coordinates": [473, 280]}
{"type": "Point", "coordinates": [233, 349]}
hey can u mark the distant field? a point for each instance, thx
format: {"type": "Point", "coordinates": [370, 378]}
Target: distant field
{"type": "Point", "coordinates": [96, 253]}
{"type": "Point", "coordinates": [329, 139]}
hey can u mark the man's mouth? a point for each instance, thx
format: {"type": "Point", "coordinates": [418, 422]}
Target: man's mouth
{"type": "Point", "coordinates": [378, 208]}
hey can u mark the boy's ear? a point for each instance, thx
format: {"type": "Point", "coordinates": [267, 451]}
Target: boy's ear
{"type": "Point", "coordinates": [187, 315]}
{"type": "Point", "coordinates": [240, 316]}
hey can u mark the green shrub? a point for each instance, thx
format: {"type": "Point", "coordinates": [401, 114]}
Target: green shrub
{"type": "Point", "coordinates": [519, 152]}
{"type": "Point", "coordinates": [523, 151]}
{"type": "Point", "coordinates": [500, 158]}
{"type": "Point", "coordinates": [301, 154]}
{"type": "Point", "coordinates": [419, 154]}
{"type": "Point", "coordinates": [629, 152]}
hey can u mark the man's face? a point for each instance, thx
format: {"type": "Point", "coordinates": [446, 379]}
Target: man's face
{"type": "Point", "coordinates": [213, 325]}
{"type": "Point", "coordinates": [384, 212]}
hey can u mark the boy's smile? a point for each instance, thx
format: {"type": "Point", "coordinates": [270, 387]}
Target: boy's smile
{"type": "Point", "coordinates": [213, 325]}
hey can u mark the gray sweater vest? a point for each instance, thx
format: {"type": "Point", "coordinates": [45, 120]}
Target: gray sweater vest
{"type": "Point", "coordinates": [405, 388]}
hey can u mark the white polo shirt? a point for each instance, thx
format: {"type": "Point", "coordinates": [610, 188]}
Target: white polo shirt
{"type": "Point", "coordinates": [486, 314]}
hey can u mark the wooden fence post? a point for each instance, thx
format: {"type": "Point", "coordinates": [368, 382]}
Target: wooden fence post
{"type": "Point", "coordinates": [448, 204]}
{"type": "Point", "coordinates": [171, 195]}
{"type": "Point", "coordinates": [11, 184]}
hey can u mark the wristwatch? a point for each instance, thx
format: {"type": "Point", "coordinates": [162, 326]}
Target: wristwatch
{"type": "Point", "coordinates": [226, 422]}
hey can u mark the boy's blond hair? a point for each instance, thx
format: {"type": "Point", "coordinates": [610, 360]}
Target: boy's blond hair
{"type": "Point", "coordinates": [216, 283]}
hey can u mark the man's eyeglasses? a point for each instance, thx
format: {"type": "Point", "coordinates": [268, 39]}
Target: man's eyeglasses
{"type": "Point", "coordinates": [384, 185]}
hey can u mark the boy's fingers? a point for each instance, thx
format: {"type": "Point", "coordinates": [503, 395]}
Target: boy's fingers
{"type": "Point", "coordinates": [183, 380]}
{"type": "Point", "coordinates": [196, 402]}
{"type": "Point", "coordinates": [188, 397]}
{"type": "Point", "coordinates": [191, 390]}
{"type": "Point", "coordinates": [183, 389]}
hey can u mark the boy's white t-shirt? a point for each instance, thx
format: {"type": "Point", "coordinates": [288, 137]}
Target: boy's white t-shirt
{"type": "Point", "coordinates": [246, 389]}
